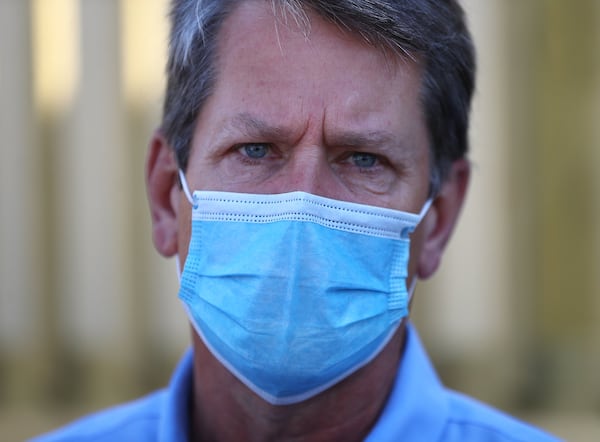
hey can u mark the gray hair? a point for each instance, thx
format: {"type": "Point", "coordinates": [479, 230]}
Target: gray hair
{"type": "Point", "coordinates": [433, 32]}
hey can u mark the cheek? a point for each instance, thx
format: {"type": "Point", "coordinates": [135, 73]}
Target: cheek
{"type": "Point", "coordinates": [416, 247]}
{"type": "Point", "coordinates": [184, 217]}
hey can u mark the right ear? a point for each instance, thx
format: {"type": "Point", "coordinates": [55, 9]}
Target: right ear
{"type": "Point", "coordinates": [162, 186]}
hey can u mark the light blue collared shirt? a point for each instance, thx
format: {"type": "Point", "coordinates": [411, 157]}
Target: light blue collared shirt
{"type": "Point", "coordinates": [420, 409]}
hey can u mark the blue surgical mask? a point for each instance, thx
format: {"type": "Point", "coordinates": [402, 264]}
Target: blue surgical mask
{"type": "Point", "coordinates": [294, 292]}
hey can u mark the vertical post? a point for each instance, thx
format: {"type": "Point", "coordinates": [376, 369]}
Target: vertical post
{"type": "Point", "coordinates": [22, 218]}
{"type": "Point", "coordinates": [92, 215]}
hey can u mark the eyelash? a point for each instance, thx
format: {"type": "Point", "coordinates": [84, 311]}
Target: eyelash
{"type": "Point", "coordinates": [248, 159]}
{"type": "Point", "coordinates": [379, 161]}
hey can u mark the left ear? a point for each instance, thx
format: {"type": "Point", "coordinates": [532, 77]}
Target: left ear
{"type": "Point", "coordinates": [164, 194]}
{"type": "Point", "coordinates": [439, 222]}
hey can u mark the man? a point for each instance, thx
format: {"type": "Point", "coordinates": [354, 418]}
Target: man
{"type": "Point", "coordinates": [310, 167]}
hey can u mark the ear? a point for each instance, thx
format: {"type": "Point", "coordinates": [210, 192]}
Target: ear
{"type": "Point", "coordinates": [439, 222]}
{"type": "Point", "coordinates": [162, 186]}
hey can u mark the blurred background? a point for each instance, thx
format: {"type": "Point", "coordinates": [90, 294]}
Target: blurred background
{"type": "Point", "coordinates": [89, 314]}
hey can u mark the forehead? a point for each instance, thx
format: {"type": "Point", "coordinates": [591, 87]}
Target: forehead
{"type": "Point", "coordinates": [298, 68]}
{"type": "Point", "coordinates": [262, 24]}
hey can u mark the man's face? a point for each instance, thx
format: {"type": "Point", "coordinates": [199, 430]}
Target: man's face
{"type": "Point", "coordinates": [317, 111]}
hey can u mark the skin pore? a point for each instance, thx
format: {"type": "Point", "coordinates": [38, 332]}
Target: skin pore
{"type": "Point", "coordinates": [310, 110]}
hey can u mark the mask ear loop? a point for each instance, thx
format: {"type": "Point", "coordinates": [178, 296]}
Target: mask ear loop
{"type": "Point", "coordinates": [184, 186]}
{"type": "Point", "coordinates": [410, 292]}
{"type": "Point", "coordinates": [408, 230]}
{"type": "Point", "coordinates": [411, 289]}
{"type": "Point", "coordinates": [413, 283]}
{"type": "Point", "coordinates": [425, 208]}
{"type": "Point", "coordinates": [178, 266]}
{"type": "Point", "coordinates": [188, 195]}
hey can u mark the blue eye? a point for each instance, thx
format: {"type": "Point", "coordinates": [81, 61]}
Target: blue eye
{"type": "Point", "coordinates": [363, 160]}
{"type": "Point", "coordinates": [256, 151]}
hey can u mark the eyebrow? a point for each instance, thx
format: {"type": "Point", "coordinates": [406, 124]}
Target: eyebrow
{"type": "Point", "coordinates": [362, 140]}
{"type": "Point", "coordinates": [255, 127]}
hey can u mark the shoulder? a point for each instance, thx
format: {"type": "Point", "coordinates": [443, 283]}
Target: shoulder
{"type": "Point", "coordinates": [136, 420]}
{"type": "Point", "coordinates": [163, 414]}
{"type": "Point", "coordinates": [470, 419]}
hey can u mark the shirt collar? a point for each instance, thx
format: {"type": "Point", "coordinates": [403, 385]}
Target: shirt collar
{"type": "Point", "coordinates": [416, 409]}
{"type": "Point", "coordinates": [175, 414]}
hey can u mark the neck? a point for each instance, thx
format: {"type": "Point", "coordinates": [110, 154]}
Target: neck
{"type": "Point", "coordinates": [224, 409]}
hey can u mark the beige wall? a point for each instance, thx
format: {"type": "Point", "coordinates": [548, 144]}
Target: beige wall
{"type": "Point", "coordinates": [518, 324]}
{"type": "Point", "coordinates": [89, 313]}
